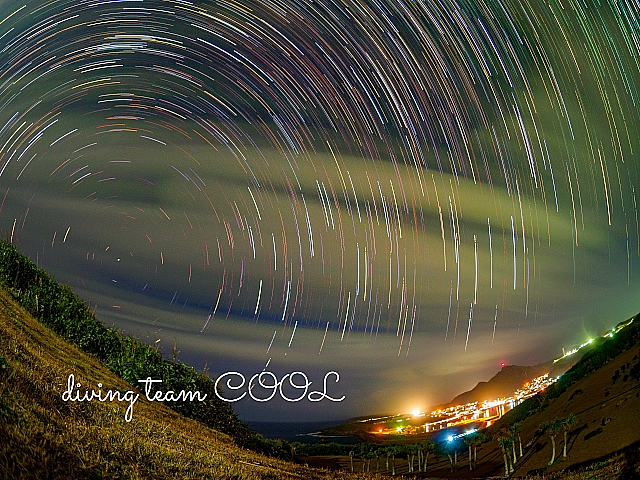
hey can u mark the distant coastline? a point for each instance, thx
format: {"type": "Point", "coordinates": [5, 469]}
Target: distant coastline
{"type": "Point", "coordinates": [303, 432]}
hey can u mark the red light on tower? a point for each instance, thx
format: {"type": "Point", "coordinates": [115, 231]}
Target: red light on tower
{"type": "Point", "coordinates": [502, 364]}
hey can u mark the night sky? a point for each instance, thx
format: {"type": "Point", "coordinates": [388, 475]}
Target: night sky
{"type": "Point", "coordinates": [406, 193]}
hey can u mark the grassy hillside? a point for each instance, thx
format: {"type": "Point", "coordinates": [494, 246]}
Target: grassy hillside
{"type": "Point", "coordinates": [46, 437]}
{"type": "Point", "coordinates": [601, 393]}
{"type": "Point", "coordinates": [57, 307]}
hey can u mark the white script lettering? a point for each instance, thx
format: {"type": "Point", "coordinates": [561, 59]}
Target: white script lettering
{"type": "Point", "coordinates": [72, 394]}
{"type": "Point", "coordinates": [170, 395]}
{"type": "Point", "coordinates": [269, 381]}
{"type": "Point", "coordinates": [128, 396]}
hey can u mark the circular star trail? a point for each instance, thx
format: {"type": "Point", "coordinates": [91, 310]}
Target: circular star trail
{"type": "Point", "coordinates": [380, 176]}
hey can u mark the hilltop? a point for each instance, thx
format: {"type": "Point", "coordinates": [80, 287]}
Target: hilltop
{"type": "Point", "coordinates": [512, 377]}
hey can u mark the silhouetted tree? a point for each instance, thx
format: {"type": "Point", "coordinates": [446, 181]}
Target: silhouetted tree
{"type": "Point", "coordinates": [368, 457]}
{"type": "Point", "coordinates": [480, 438]}
{"type": "Point", "coordinates": [505, 441]}
{"type": "Point", "coordinates": [427, 447]}
{"type": "Point", "coordinates": [411, 453]}
{"type": "Point", "coordinates": [566, 424]}
{"type": "Point", "coordinates": [378, 452]}
{"type": "Point", "coordinates": [451, 447]}
{"type": "Point", "coordinates": [468, 441]}
{"type": "Point", "coordinates": [392, 450]}
{"type": "Point", "coordinates": [514, 429]}
{"type": "Point", "coordinates": [387, 453]}
{"type": "Point", "coordinates": [552, 429]}
{"type": "Point", "coordinates": [362, 453]}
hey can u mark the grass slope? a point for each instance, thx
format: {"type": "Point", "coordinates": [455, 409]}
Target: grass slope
{"type": "Point", "coordinates": [607, 409]}
{"type": "Point", "coordinates": [44, 437]}
{"type": "Point", "coordinates": [602, 391]}
{"type": "Point", "coordinates": [57, 307]}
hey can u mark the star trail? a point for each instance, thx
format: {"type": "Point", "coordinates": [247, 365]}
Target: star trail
{"type": "Point", "coordinates": [404, 192]}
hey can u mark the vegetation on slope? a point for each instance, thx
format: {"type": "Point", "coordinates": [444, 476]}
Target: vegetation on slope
{"type": "Point", "coordinates": [596, 398]}
{"type": "Point", "coordinates": [57, 307]}
{"type": "Point", "coordinates": [43, 436]}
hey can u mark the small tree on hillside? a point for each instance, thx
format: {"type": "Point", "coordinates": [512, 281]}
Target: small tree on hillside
{"type": "Point", "coordinates": [392, 450]}
{"type": "Point", "coordinates": [451, 448]}
{"type": "Point", "coordinates": [567, 423]}
{"type": "Point", "coordinates": [411, 455]}
{"type": "Point", "coordinates": [387, 453]}
{"type": "Point", "coordinates": [505, 440]}
{"type": "Point", "coordinates": [398, 451]}
{"type": "Point", "coordinates": [364, 450]}
{"type": "Point", "coordinates": [552, 429]}
{"type": "Point", "coordinates": [368, 457]}
{"type": "Point", "coordinates": [514, 429]}
{"type": "Point", "coordinates": [427, 446]}
{"type": "Point", "coordinates": [469, 440]}
{"type": "Point", "coordinates": [378, 452]}
{"type": "Point", "coordinates": [480, 438]}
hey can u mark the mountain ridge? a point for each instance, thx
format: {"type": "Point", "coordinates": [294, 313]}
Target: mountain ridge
{"type": "Point", "coordinates": [511, 377]}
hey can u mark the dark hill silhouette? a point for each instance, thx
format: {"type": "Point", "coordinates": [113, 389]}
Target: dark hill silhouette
{"type": "Point", "coordinates": [512, 377]}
